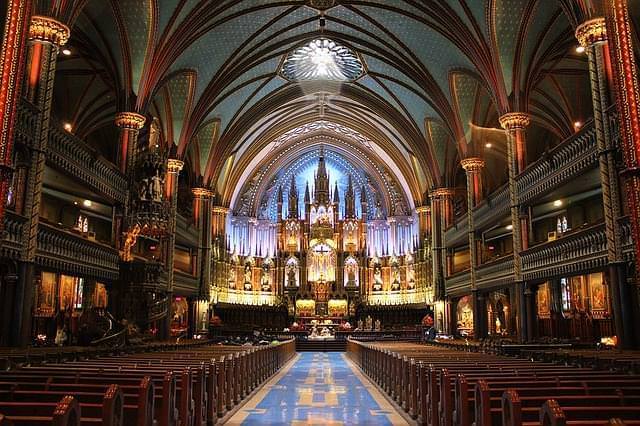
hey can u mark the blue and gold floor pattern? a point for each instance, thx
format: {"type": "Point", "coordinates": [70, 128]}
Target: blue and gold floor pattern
{"type": "Point", "coordinates": [319, 388]}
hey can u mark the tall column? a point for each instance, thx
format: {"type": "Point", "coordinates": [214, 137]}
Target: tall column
{"type": "Point", "coordinates": [130, 124]}
{"type": "Point", "coordinates": [202, 218]}
{"type": "Point", "coordinates": [174, 167]}
{"type": "Point", "coordinates": [46, 35]}
{"type": "Point", "coordinates": [473, 167]}
{"type": "Point", "coordinates": [442, 216]}
{"type": "Point", "coordinates": [592, 35]}
{"type": "Point", "coordinates": [515, 124]}
{"type": "Point", "coordinates": [12, 66]}
{"type": "Point", "coordinates": [627, 92]}
{"type": "Point", "coordinates": [218, 230]}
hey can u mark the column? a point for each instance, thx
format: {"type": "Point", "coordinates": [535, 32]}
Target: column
{"type": "Point", "coordinates": [174, 167]}
{"type": "Point", "coordinates": [515, 124]}
{"type": "Point", "coordinates": [442, 216]}
{"type": "Point", "coordinates": [202, 218]}
{"type": "Point", "coordinates": [12, 68]}
{"type": "Point", "coordinates": [46, 35]}
{"type": "Point", "coordinates": [473, 167]}
{"type": "Point", "coordinates": [130, 124]}
{"type": "Point", "coordinates": [592, 35]}
{"type": "Point", "coordinates": [627, 90]}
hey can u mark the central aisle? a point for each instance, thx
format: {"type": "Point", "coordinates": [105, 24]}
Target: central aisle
{"type": "Point", "coordinates": [319, 388]}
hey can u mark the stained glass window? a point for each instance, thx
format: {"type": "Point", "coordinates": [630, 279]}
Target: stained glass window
{"type": "Point", "coordinates": [322, 59]}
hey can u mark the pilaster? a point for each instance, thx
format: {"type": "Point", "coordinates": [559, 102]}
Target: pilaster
{"type": "Point", "coordinates": [202, 216]}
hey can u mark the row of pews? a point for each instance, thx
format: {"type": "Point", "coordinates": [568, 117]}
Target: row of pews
{"type": "Point", "coordinates": [445, 386]}
{"type": "Point", "coordinates": [186, 386]}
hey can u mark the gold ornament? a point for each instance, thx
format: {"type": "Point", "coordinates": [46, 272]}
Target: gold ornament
{"type": "Point", "coordinates": [48, 30]}
{"type": "Point", "coordinates": [514, 120]}
{"type": "Point", "coordinates": [201, 192]}
{"type": "Point", "coordinates": [174, 165]}
{"type": "Point", "coordinates": [591, 32]}
{"type": "Point", "coordinates": [130, 120]}
{"type": "Point", "coordinates": [472, 164]}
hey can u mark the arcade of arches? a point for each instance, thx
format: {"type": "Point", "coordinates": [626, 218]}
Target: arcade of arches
{"type": "Point", "coordinates": [221, 167]}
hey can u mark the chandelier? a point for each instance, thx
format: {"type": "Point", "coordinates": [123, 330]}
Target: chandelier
{"type": "Point", "coordinates": [322, 59]}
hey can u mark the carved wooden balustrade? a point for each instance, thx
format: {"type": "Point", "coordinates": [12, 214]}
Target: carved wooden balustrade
{"type": "Point", "coordinates": [573, 157]}
{"type": "Point", "coordinates": [186, 284]}
{"type": "Point", "coordinates": [144, 275]}
{"type": "Point", "coordinates": [572, 254]}
{"type": "Point", "coordinates": [74, 254]}
{"type": "Point", "coordinates": [11, 243]}
{"type": "Point", "coordinates": [71, 155]}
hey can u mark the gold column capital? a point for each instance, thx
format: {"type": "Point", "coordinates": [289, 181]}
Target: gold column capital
{"type": "Point", "coordinates": [46, 29]}
{"type": "Point", "coordinates": [591, 32]}
{"type": "Point", "coordinates": [472, 164]}
{"type": "Point", "coordinates": [441, 192]}
{"type": "Point", "coordinates": [202, 192]}
{"type": "Point", "coordinates": [130, 120]}
{"type": "Point", "coordinates": [423, 209]}
{"type": "Point", "coordinates": [174, 165]}
{"type": "Point", "coordinates": [219, 210]}
{"type": "Point", "coordinates": [514, 120]}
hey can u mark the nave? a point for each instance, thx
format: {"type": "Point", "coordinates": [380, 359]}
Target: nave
{"type": "Point", "coordinates": [318, 388]}
{"type": "Point", "coordinates": [374, 383]}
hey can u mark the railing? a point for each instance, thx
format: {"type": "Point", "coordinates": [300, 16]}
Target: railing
{"type": "Point", "coordinates": [570, 159]}
{"type": "Point", "coordinates": [400, 297]}
{"type": "Point", "coordinates": [158, 309]}
{"type": "Point", "coordinates": [145, 275]}
{"type": "Point", "coordinates": [72, 253]}
{"type": "Point", "coordinates": [496, 272]}
{"type": "Point", "coordinates": [571, 254]}
{"type": "Point", "coordinates": [73, 156]}
{"type": "Point", "coordinates": [12, 241]}
{"type": "Point", "coordinates": [185, 282]}
{"type": "Point", "coordinates": [240, 297]}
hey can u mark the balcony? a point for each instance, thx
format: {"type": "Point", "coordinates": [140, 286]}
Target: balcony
{"type": "Point", "coordinates": [572, 158]}
{"type": "Point", "coordinates": [185, 284]}
{"type": "Point", "coordinates": [73, 156]}
{"type": "Point", "coordinates": [582, 250]}
{"type": "Point", "coordinates": [74, 254]}
{"type": "Point", "coordinates": [11, 245]}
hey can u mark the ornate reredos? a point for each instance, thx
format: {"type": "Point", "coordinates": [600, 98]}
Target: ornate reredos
{"type": "Point", "coordinates": [345, 151]}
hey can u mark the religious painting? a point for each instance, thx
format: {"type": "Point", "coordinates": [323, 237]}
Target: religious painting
{"type": "Point", "coordinates": [464, 316]}
{"type": "Point", "coordinates": [70, 293]}
{"type": "Point", "coordinates": [598, 292]}
{"type": "Point", "coordinates": [180, 315]}
{"type": "Point", "coordinates": [337, 307]}
{"type": "Point", "coordinates": [46, 295]}
{"type": "Point", "coordinates": [305, 307]}
{"type": "Point", "coordinates": [100, 296]}
{"type": "Point", "coordinates": [578, 293]}
{"type": "Point", "coordinates": [351, 278]}
{"type": "Point", "coordinates": [543, 299]}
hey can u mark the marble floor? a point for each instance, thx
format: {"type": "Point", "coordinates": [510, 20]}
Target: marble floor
{"type": "Point", "coordinates": [318, 388]}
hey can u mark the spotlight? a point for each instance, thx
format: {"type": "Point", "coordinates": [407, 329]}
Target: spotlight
{"type": "Point", "coordinates": [87, 203]}
{"type": "Point", "coordinates": [557, 203]}
{"type": "Point", "coordinates": [509, 227]}
{"type": "Point", "coordinates": [488, 145]}
{"type": "Point", "coordinates": [66, 52]}
{"type": "Point", "coordinates": [580, 49]}
{"type": "Point", "coordinates": [68, 127]}
{"type": "Point", "coordinates": [577, 125]}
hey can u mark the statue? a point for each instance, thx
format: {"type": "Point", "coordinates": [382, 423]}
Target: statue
{"type": "Point", "coordinates": [156, 187]}
{"type": "Point", "coordinates": [291, 277]}
{"type": "Point", "coordinates": [377, 277]}
{"type": "Point", "coordinates": [411, 279]}
{"type": "Point", "coordinates": [378, 325]}
{"type": "Point", "coordinates": [369, 323]}
{"type": "Point", "coordinates": [145, 190]}
{"type": "Point", "coordinates": [265, 283]}
{"type": "Point", "coordinates": [232, 277]}
{"type": "Point", "coordinates": [395, 281]}
{"type": "Point", "coordinates": [360, 325]}
{"type": "Point", "coordinates": [247, 277]}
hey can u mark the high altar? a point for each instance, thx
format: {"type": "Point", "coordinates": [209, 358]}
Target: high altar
{"type": "Point", "coordinates": [343, 252]}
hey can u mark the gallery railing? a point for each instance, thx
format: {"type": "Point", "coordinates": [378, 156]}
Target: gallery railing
{"type": "Point", "coordinates": [73, 156]}
{"type": "Point", "coordinates": [68, 252]}
{"type": "Point", "coordinates": [12, 239]}
{"type": "Point", "coordinates": [400, 297]}
{"type": "Point", "coordinates": [570, 159]}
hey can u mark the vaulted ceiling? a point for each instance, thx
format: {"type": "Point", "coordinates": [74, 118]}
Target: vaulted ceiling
{"type": "Point", "coordinates": [438, 74]}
